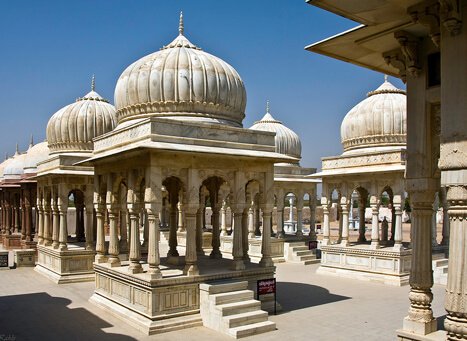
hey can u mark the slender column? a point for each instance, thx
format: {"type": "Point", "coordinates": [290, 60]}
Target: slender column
{"type": "Point", "coordinates": [47, 228]}
{"type": "Point", "coordinates": [40, 222]}
{"type": "Point", "coordinates": [257, 221]}
{"type": "Point", "coordinates": [123, 231]}
{"type": "Point", "coordinates": [434, 230]}
{"type": "Point", "coordinates": [215, 253]}
{"type": "Point", "coordinates": [100, 236]}
{"type": "Point", "coordinates": [345, 222]}
{"type": "Point", "coordinates": [339, 234]}
{"type": "Point", "coordinates": [312, 206]}
{"type": "Point", "coordinates": [251, 221]}
{"type": "Point", "coordinates": [89, 235]}
{"type": "Point", "coordinates": [420, 318]}
{"type": "Point", "coordinates": [114, 250]}
{"type": "Point", "coordinates": [444, 204]}
{"type": "Point", "coordinates": [135, 243]}
{"type": "Point", "coordinates": [299, 216]}
{"type": "Point", "coordinates": [27, 223]}
{"type": "Point", "coordinates": [63, 233]}
{"type": "Point", "coordinates": [266, 259]}
{"type": "Point", "coordinates": [22, 223]}
{"type": "Point", "coordinates": [374, 223]}
{"type": "Point", "coordinates": [55, 225]}
{"type": "Point", "coordinates": [9, 217]}
{"type": "Point", "coordinates": [191, 266]}
{"type": "Point", "coordinates": [152, 211]}
{"type": "Point", "coordinates": [199, 231]}
{"type": "Point", "coordinates": [181, 225]}
{"type": "Point", "coordinates": [145, 231]}
{"type": "Point", "coordinates": [173, 231]}
{"type": "Point", "coordinates": [16, 212]}
{"type": "Point", "coordinates": [245, 245]}
{"type": "Point", "coordinates": [397, 201]}
{"type": "Point", "coordinates": [361, 218]}
{"type": "Point", "coordinates": [393, 221]}
{"type": "Point", "coordinates": [326, 229]}
{"type": "Point", "coordinates": [237, 248]}
{"type": "Point", "coordinates": [224, 218]}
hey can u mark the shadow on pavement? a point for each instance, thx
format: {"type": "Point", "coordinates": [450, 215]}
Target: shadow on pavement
{"type": "Point", "coordinates": [440, 322]}
{"type": "Point", "coordinates": [293, 296]}
{"type": "Point", "coordinates": [39, 316]}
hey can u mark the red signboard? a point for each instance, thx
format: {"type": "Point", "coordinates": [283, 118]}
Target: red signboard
{"type": "Point", "coordinates": [267, 286]}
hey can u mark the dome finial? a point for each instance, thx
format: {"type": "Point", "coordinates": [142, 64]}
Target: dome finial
{"type": "Point", "coordinates": [267, 106]}
{"type": "Point", "coordinates": [31, 141]}
{"type": "Point", "coordinates": [385, 78]}
{"type": "Point", "coordinates": [6, 156]}
{"type": "Point", "coordinates": [180, 25]}
{"type": "Point", "coordinates": [93, 83]}
{"type": "Point", "coordinates": [17, 149]}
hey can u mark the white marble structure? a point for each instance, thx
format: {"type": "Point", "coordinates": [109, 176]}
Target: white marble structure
{"type": "Point", "coordinates": [373, 135]}
{"type": "Point", "coordinates": [70, 134]}
{"type": "Point", "coordinates": [180, 137]}
{"type": "Point", "coordinates": [424, 43]}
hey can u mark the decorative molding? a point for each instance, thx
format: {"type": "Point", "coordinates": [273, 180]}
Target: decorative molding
{"type": "Point", "coordinates": [365, 160]}
{"type": "Point", "coordinates": [427, 16]}
{"type": "Point", "coordinates": [396, 59]}
{"type": "Point", "coordinates": [450, 16]}
{"type": "Point", "coordinates": [453, 155]}
{"type": "Point", "coordinates": [375, 140]}
{"type": "Point", "coordinates": [409, 48]}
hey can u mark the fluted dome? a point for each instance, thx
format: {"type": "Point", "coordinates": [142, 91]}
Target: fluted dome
{"type": "Point", "coordinates": [73, 127]}
{"type": "Point", "coordinates": [380, 120]}
{"type": "Point", "coordinates": [35, 154]}
{"type": "Point", "coordinates": [182, 82]}
{"type": "Point", "coordinates": [15, 168]}
{"type": "Point", "coordinates": [286, 140]}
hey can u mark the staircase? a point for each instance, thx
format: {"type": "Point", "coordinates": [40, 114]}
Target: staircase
{"type": "Point", "coordinates": [297, 252]}
{"type": "Point", "coordinates": [230, 308]}
{"type": "Point", "coordinates": [440, 270]}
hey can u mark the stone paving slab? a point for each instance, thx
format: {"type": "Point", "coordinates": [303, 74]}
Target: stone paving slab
{"type": "Point", "coordinates": [315, 307]}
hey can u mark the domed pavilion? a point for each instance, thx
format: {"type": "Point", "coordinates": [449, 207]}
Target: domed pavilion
{"type": "Point", "coordinates": [371, 169]}
{"type": "Point", "coordinates": [65, 189]}
{"type": "Point", "coordinates": [178, 146]}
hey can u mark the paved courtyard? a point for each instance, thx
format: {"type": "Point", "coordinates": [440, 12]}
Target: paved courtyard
{"type": "Point", "coordinates": [315, 307]}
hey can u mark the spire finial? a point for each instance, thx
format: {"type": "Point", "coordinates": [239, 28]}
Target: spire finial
{"type": "Point", "coordinates": [17, 149]}
{"type": "Point", "coordinates": [6, 156]}
{"type": "Point", "coordinates": [267, 106]}
{"type": "Point", "coordinates": [180, 25]}
{"type": "Point", "coordinates": [93, 83]}
{"type": "Point", "coordinates": [385, 78]}
{"type": "Point", "coordinates": [31, 141]}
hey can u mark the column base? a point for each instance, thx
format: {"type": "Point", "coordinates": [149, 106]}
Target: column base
{"type": "Point", "coordinates": [266, 261]}
{"type": "Point", "coordinates": [154, 273]}
{"type": "Point", "coordinates": [100, 259]}
{"type": "Point", "coordinates": [419, 328]}
{"type": "Point", "coordinates": [114, 262]}
{"type": "Point", "coordinates": [215, 254]}
{"type": "Point", "coordinates": [398, 247]}
{"type": "Point", "coordinates": [238, 264]}
{"type": "Point", "coordinates": [325, 242]}
{"type": "Point", "coordinates": [374, 245]}
{"type": "Point", "coordinates": [135, 268]}
{"type": "Point", "coordinates": [344, 243]}
{"type": "Point", "coordinates": [191, 270]}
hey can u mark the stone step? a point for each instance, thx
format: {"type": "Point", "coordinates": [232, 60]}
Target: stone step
{"type": "Point", "coordinates": [229, 297]}
{"type": "Point", "coordinates": [252, 329]}
{"type": "Point", "coordinates": [312, 261]}
{"type": "Point", "coordinates": [299, 248]}
{"type": "Point", "coordinates": [293, 244]}
{"type": "Point", "coordinates": [239, 307]}
{"type": "Point", "coordinates": [242, 319]}
{"type": "Point", "coordinates": [303, 253]}
{"type": "Point", "coordinates": [223, 287]}
{"type": "Point", "coordinates": [308, 257]}
{"type": "Point", "coordinates": [437, 263]}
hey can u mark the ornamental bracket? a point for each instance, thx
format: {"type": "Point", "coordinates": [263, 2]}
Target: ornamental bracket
{"type": "Point", "coordinates": [409, 47]}
{"type": "Point", "coordinates": [396, 59]}
{"type": "Point", "coordinates": [428, 16]}
{"type": "Point", "coordinates": [450, 16]}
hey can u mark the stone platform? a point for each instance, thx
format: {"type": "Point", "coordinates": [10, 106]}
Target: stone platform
{"type": "Point", "coordinates": [384, 265]}
{"type": "Point", "coordinates": [254, 249]}
{"type": "Point", "coordinates": [68, 266]}
{"type": "Point", "coordinates": [12, 241]}
{"type": "Point", "coordinates": [170, 303]}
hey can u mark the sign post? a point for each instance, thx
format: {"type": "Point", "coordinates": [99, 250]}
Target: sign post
{"type": "Point", "coordinates": [266, 287]}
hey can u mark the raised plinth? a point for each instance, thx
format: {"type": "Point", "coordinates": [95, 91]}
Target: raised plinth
{"type": "Point", "coordinates": [254, 249]}
{"type": "Point", "coordinates": [12, 241]}
{"type": "Point", "coordinates": [66, 266]}
{"type": "Point", "coordinates": [169, 303]}
{"type": "Point", "coordinates": [384, 265]}
{"type": "Point", "coordinates": [25, 257]}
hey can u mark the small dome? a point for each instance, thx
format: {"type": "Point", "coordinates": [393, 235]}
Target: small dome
{"type": "Point", "coordinates": [15, 168]}
{"type": "Point", "coordinates": [380, 120]}
{"type": "Point", "coordinates": [181, 82]}
{"type": "Point", "coordinates": [36, 154]}
{"type": "Point", "coordinates": [73, 127]}
{"type": "Point", "coordinates": [287, 141]}
{"type": "Point", "coordinates": [5, 164]}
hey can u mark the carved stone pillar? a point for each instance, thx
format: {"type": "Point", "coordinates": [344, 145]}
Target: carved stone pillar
{"type": "Point", "coordinates": [397, 201]}
{"type": "Point", "coordinates": [173, 231]}
{"type": "Point", "coordinates": [374, 223]}
{"type": "Point", "coordinates": [47, 227]}
{"type": "Point", "coordinates": [63, 233]}
{"type": "Point", "coordinates": [257, 221]}
{"type": "Point", "coordinates": [312, 205]}
{"type": "Point", "coordinates": [152, 211]}
{"type": "Point", "coordinates": [40, 222]}
{"type": "Point", "coordinates": [444, 204]}
{"type": "Point", "coordinates": [246, 245]}
{"type": "Point", "coordinates": [199, 230]}
{"type": "Point", "coordinates": [100, 235]}
{"type": "Point", "coordinates": [16, 213]}
{"type": "Point", "coordinates": [361, 218]}
{"type": "Point", "coordinates": [145, 231]}
{"type": "Point", "coordinates": [266, 259]}
{"type": "Point", "coordinates": [420, 318]}
{"type": "Point", "coordinates": [181, 225]}
{"type": "Point", "coordinates": [215, 253]}
{"type": "Point", "coordinates": [22, 220]}
{"type": "Point", "coordinates": [434, 230]}
{"type": "Point", "coordinates": [27, 223]}
{"type": "Point", "coordinates": [224, 218]}
{"type": "Point", "coordinates": [88, 227]}
{"type": "Point", "coordinates": [55, 224]}
{"type": "Point", "coordinates": [114, 250]}
{"type": "Point", "coordinates": [326, 229]}
{"type": "Point", "coordinates": [299, 216]}
{"type": "Point", "coordinates": [237, 248]}
{"type": "Point", "coordinates": [123, 244]}
{"type": "Point", "coordinates": [135, 243]}
{"type": "Point", "coordinates": [191, 266]}
{"type": "Point", "coordinates": [345, 221]}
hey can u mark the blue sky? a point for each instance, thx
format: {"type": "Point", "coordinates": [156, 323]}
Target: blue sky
{"type": "Point", "coordinates": [50, 49]}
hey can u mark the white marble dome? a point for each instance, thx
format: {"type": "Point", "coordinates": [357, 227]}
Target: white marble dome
{"type": "Point", "coordinates": [380, 120]}
{"type": "Point", "coordinates": [35, 154]}
{"type": "Point", "coordinates": [181, 82]}
{"type": "Point", "coordinates": [72, 128]}
{"type": "Point", "coordinates": [286, 140]}
{"type": "Point", "coordinates": [14, 167]}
